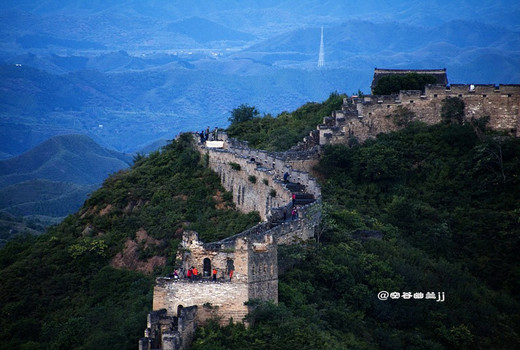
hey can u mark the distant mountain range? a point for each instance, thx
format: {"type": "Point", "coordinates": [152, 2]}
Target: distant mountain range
{"type": "Point", "coordinates": [53, 179]}
{"type": "Point", "coordinates": [67, 158]}
{"type": "Point", "coordinates": [130, 73]}
{"type": "Point", "coordinates": [127, 73]}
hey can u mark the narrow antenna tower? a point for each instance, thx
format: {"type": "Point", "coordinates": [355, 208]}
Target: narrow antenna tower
{"type": "Point", "coordinates": [321, 57]}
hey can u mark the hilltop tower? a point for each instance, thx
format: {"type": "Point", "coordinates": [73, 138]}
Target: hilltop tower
{"type": "Point", "coordinates": [321, 57]}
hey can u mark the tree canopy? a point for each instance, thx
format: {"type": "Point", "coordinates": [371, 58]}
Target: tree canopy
{"type": "Point", "coordinates": [392, 84]}
{"type": "Point", "coordinates": [452, 110]}
{"type": "Point", "coordinates": [243, 113]}
{"type": "Point", "coordinates": [287, 129]}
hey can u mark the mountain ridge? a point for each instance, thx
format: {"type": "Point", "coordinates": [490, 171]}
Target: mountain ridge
{"type": "Point", "coordinates": [56, 160]}
{"type": "Point", "coordinates": [53, 179]}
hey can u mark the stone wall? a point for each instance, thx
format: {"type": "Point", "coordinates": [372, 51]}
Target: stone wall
{"type": "Point", "coordinates": [248, 195]}
{"type": "Point", "coordinates": [268, 166]}
{"type": "Point", "coordinates": [169, 332]}
{"type": "Point", "coordinates": [252, 254]}
{"type": "Point", "coordinates": [366, 117]}
{"type": "Point", "coordinates": [253, 259]}
{"type": "Point", "coordinates": [222, 299]}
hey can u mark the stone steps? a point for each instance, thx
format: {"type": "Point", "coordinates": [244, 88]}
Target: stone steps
{"type": "Point", "coordinates": [295, 187]}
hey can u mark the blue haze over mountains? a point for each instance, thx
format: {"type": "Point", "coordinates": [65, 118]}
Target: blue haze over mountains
{"type": "Point", "coordinates": [131, 73]}
{"type": "Point", "coordinates": [127, 73]}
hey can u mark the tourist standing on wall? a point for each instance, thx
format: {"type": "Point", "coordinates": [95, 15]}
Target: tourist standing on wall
{"type": "Point", "coordinates": [214, 274]}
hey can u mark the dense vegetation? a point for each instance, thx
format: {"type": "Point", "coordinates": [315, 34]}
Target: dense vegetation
{"type": "Point", "coordinates": [61, 290]}
{"type": "Point", "coordinates": [446, 200]}
{"type": "Point", "coordinates": [392, 84]}
{"type": "Point", "coordinates": [284, 131]}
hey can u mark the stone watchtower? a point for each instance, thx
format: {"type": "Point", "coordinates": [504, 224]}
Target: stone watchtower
{"type": "Point", "coordinates": [246, 270]}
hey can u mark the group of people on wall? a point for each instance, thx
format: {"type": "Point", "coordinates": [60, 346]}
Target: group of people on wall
{"type": "Point", "coordinates": [192, 274]}
{"type": "Point", "coordinates": [207, 135]}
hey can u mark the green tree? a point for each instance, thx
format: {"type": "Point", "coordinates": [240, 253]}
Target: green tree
{"type": "Point", "coordinates": [402, 116]}
{"type": "Point", "coordinates": [284, 131]}
{"type": "Point", "coordinates": [452, 111]}
{"type": "Point", "coordinates": [243, 113]}
{"type": "Point", "coordinates": [392, 84]}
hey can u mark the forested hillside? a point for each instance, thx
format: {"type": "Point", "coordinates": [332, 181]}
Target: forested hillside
{"type": "Point", "coordinates": [51, 181]}
{"type": "Point", "coordinates": [87, 283]}
{"type": "Point", "coordinates": [283, 131]}
{"type": "Point", "coordinates": [446, 203]}
{"type": "Point", "coordinates": [425, 209]}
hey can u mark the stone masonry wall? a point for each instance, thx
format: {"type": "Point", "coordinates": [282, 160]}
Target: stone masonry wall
{"type": "Point", "coordinates": [370, 115]}
{"type": "Point", "coordinates": [263, 165]}
{"type": "Point", "coordinates": [222, 298]}
{"type": "Point", "coordinates": [254, 261]}
{"type": "Point", "coordinates": [169, 332]}
{"type": "Point", "coordinates": [248, 196]}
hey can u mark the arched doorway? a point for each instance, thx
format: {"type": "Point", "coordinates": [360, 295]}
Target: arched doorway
{"type": "Point", "coordinates": [230, 266]}
{"type": "Point", "coordinates": [206, 271]}
{"type": "Point", "coordinates": [179, 309]}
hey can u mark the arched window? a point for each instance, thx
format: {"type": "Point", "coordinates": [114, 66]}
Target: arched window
{"type": "Point", "coordinates": [206, 272]}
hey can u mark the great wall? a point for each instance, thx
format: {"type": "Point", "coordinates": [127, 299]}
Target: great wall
{"type": "Point", "coordinates": [256, 180]}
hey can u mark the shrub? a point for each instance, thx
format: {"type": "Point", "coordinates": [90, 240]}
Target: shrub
{"type": "Point", "coordinates": [235, 166]}
{"type": "Point", "coordinates": [252, 179]}
{"type": "Point", "coordinates": [452, 111]}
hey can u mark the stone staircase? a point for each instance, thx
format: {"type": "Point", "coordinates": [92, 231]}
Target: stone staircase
{"type": "Point", "coordinates": [303, 199]}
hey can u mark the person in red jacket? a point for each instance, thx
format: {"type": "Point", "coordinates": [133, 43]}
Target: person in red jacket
{"type": "Point", "coordinates": [195, 273]}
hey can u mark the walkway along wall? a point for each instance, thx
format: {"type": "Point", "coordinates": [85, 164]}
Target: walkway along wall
{"type": "Point", "coordinates": [252, 255]}
{"type": "Point", "coordinates": [259, 173]}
